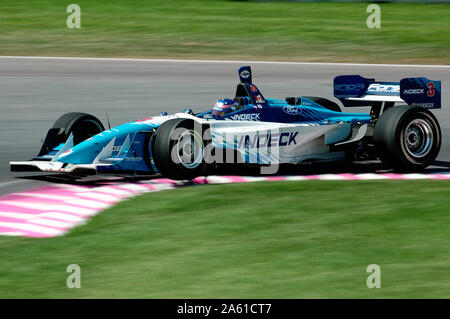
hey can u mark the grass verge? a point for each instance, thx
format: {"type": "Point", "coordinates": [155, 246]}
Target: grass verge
{"type": "Point", "coordinates": [217, 29]}
{"type": "Point", "coordinates": [259, 240]}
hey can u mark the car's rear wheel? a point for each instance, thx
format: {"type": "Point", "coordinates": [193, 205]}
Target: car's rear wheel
{"type": "Point", "coordinates": [179, 149]}
{"type": "Point", "coordinates": [407, 138]}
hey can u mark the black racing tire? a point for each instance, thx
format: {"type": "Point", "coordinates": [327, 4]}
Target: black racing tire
{"type": "Point", "coordinates": [81, 125]}
{"type": "Point", "coordinates": [407, 138]}
{"type": "Point", "coordinates": [179, 149]}
{"type": "Point", "coordinates": [332, 106]}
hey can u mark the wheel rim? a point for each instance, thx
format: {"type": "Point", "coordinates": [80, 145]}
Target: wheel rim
{"type": "Point", "coordinates": [418, 138]}
{"type": "Point", "coordinates": [189, 149]}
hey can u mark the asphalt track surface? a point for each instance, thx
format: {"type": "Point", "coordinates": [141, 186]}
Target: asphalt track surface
{"type": "Point", "coordinates": [34, 92]}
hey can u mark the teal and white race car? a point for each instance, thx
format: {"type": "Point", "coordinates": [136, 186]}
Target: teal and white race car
{"type": "Point", "coordinates": [250, 129]}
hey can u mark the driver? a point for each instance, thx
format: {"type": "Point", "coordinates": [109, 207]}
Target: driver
{"type": "Point", "coordinates": [225, 106]}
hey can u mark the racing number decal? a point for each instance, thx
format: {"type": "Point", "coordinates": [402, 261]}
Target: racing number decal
{"type": "Point", "coordinates": [431, 89]}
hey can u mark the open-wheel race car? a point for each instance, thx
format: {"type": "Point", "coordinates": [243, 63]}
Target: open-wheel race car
{"type": "Point", "coordinates": [250, 129]}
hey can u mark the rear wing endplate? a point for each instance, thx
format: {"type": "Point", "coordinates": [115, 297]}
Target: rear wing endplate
{"type": "Point", "coordinates": [355, 90]}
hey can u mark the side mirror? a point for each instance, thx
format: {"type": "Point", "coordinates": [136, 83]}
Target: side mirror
{"type": "Point", "coordinates": [188, 111]}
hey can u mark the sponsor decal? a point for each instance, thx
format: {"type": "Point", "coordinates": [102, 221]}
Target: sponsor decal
{"type": "Point", "coordinates": [424, 105]}
{"type": "Point", "coordinates": [414, 91]}
{"type": "Point", "coordinates": [259, 99]}
{"type": "Point", "coordinates": [268, 140]}
{"type": "Point", "coordinates": [349, 87]}
{"type": "Point", "coordinates": [133, 159]}
{"type": "Point", "coordinates": [292, 110]}
{"type": "Point", "coordinates": [253, 88]}
{"type": "Point", "coordinates": [152, 120]}
{"type": "Point", "coordinates": [143, 120]}
{"type": "Point", "coordinates": [117, 148]}
{"type": "Point", "coordinates": [245, 74]}
{"type": "Point", "coordinates": [66, 152]}
{"type": "Point", "coordinates": [383, 88]}
{"type": "Point", "coordinates": [246, 117]}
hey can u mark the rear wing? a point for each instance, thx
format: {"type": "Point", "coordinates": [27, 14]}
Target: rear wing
{"type": "Point", "coordinates": [355, 90]}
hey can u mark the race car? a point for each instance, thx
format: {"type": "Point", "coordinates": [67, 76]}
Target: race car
{"type": "Point", "coordinates": [250, 129]}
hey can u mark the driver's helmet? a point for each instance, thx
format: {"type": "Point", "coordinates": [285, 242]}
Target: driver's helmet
{"type": "Point", "coordinates": [224, 106]}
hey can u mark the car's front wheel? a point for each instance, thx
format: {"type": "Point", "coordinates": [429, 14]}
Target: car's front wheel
{"type": "Point", "coordinates": [81, 125]}
{"type": "Point", "coordinates": [179, 149]}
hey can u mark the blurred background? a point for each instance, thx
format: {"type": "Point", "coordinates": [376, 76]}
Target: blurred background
{"type": "Point", "coordinates": [411, 32]}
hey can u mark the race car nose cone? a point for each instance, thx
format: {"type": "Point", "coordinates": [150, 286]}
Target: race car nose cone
{"type": "Point", "coordinates": [65, 154]}
{"type": "Point", "coordinates": [68, 157]}
{"type": "Point", "coordinates": [83, 153]}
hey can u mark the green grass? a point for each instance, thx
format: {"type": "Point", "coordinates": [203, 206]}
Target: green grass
{"type": "Point", "coordinates": [213, 29]}
{"type": "Point", "coordinates": [260, 240]}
